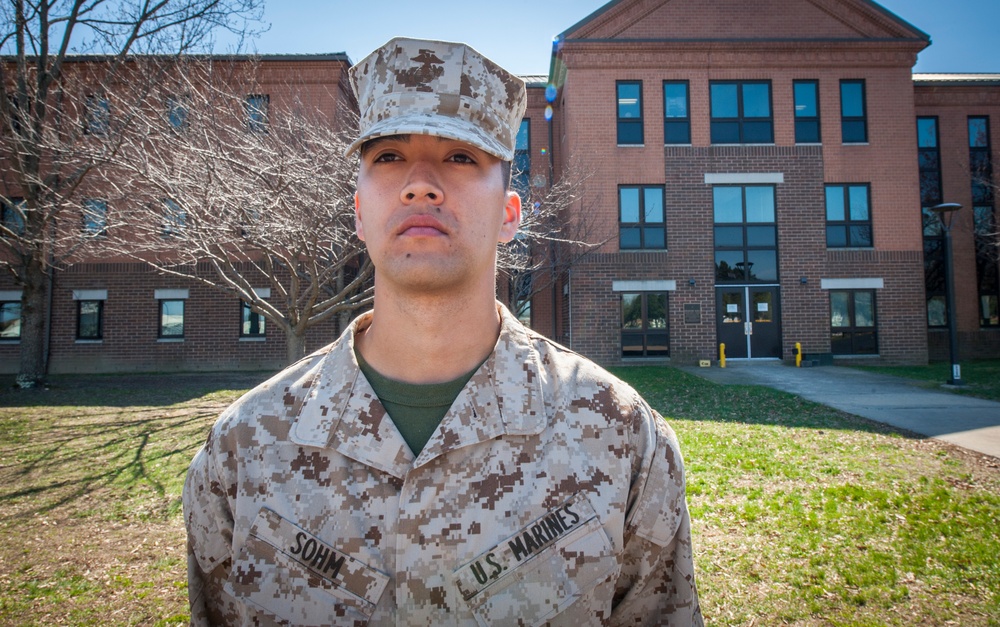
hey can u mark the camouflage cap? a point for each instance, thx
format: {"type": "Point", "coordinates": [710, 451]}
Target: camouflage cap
{"type": "Point", "coordinates": [414, 86]}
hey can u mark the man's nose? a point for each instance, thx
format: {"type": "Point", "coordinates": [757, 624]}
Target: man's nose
{"type": "Point", "coordinates": [422, 184]}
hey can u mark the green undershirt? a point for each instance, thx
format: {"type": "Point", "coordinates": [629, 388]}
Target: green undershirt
{"type": "Point", "coordinates": [416, 409]}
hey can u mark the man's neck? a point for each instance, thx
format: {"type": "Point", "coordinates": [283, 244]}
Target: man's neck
{"type": "Point", "coordinates": [429, 338]}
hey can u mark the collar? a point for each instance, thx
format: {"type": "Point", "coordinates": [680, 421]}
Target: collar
{"type": "Point", "coordinates": [340, 411]}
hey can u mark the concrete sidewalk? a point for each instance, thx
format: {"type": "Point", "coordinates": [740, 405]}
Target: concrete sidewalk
{"type": "Point", "coordinates": [971, 423]}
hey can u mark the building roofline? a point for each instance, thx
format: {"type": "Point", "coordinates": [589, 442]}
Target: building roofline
{"type": "Point", "coordinates": [956, 78]}
{"type": "Point", "coordinates": [747, 40]}
{"type": "Point", "coordinates": [89, 58]}
{"type": "Point", "coordinates": [922, 36]}
{"type": "Point", "coordinates": [892, 16]}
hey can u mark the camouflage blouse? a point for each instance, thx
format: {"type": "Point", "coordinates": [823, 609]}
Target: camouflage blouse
{"type": "Point", "coordinates": [550, 494]}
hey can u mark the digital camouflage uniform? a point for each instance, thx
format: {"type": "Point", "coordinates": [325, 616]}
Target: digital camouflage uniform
{"type": "Point", "coordinates": [550, 494]}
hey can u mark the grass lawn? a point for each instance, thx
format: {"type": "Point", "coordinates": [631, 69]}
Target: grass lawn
{"type": "Point", "coordinates": [802, 515]}
{"type": "Point", "coordinates": [981, 377]}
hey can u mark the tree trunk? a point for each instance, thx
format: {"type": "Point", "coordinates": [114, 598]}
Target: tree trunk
{"type": "Point", "coordinates": [34, 308]}
{"type": "Point", "coordinates": [295, 345]}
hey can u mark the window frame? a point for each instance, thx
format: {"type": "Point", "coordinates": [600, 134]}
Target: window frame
{"type": "Point", "coordinates": [174, 218]}
{"type": "Point", "coordinates": [641, 225]}
{"type": "Point", "coordinates": [94, 223]}
{"type": "Point", "coordinates": [848, 223]}
{"type": "Point", "coordinates": [97, 115]}
{"type": "Point", "coordinates": [680, 122]}
{"type": "Point", "coordinates": [177, 104]}
{"type": "Point", "coordinates": [257, 109]}
{"type": "Point", "coordinates": [853, 330]}
{"type": "Point", "coordinates": [10, 304]}
{"type": "Point", "coordinates": [847, 120]}
{"type": "Point", "coordinates": [741, 120]}
{"type": "Point", "coordinates": [12, 219]}
{"type": "Point", "coordinates": [984, 223]}
{"type": "Point", "coordinates": [245, 309]}
{"type": "Point", "coordinates": [100, 319]}
{"type": "Point", "coordinates": [162, 302]}
{"type": "Point", "coordinates": [626, 122]}
{"type": "Point", "coordinates": [645, 332]}
{"type": "Point", "coordinates": [520, 180]}
{"type": "Point", "coordinates": [807, 119]}
{"type": "Point", "coordinates": [747, 245]}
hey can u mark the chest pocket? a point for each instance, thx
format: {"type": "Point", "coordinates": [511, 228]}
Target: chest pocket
{"type": "Point", "coordinates": [541, 571]}
{"type": "Point", "coordinates": [298, 579]}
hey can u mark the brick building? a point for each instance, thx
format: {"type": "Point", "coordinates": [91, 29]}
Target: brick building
{"type": "Point", "coordinates": [111, 313]}
{"type": "Point", "coordinates": [756, 183]}
{"type": "Point", "coordinates": [755, 173]}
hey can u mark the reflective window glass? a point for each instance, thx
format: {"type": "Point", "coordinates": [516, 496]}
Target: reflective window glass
{"type": "Point", "coordinates": [728, 203]}
{"type": "Point", "coordinates": [760, 204]}
{"type": "Point", "coordinates": [756, 100]}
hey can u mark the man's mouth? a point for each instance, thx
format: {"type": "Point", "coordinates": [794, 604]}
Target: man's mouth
{"type": "Point", "coordinates": [421, 226]}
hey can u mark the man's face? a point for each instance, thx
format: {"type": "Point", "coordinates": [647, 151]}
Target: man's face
{"type": "Point", "coordinates": [431, 211]}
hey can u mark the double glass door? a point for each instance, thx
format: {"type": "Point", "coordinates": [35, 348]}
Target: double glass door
{"type": "Point", "coordinates": [749, 321]}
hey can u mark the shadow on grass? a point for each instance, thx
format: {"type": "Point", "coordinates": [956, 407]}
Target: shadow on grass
{"type": "Point", "coordinates": [125, 390]}
{"type": "Point", "coordinates": [116, 446]}
{"type": "Point", "coordinates": [679, 395]}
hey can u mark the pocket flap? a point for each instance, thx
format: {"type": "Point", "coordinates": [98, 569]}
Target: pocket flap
{"type": "Point", "coordinates": [295, 576]}
{"type": "Point", "coordinates": [538, 572]}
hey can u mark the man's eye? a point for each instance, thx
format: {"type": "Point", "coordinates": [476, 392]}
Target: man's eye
{"type": "Point", "coordinates": [461, 157]}
{"type": "Point", "coordinates": [386, 157]}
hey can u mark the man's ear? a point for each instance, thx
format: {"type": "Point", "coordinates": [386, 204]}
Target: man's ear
{"type": "Point", "coordinates": [357, 219]}
{"type": "Point", "coordinates": [511, 217]}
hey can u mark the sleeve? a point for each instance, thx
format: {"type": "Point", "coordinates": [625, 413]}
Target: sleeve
{"type": "Point", "coordinates": [657, 585]}
{"type": "Point", "coordinates": [209, 521]}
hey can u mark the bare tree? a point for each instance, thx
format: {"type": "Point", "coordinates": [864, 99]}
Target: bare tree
{"type": "Point", "coordinates": [258, 192]}
{"type": "Point", "coordinates": [553, 237]}
{"type": "Point", "coordinates": [59, 123]}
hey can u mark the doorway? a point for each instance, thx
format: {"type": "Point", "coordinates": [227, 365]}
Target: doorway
{"type": "Point", "coordinates": [749, 321]}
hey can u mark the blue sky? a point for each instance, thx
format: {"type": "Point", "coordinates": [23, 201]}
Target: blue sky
{"type": "Point", "coordinates": [518, 33]}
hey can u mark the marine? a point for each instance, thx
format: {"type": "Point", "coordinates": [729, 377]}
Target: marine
{"type": "Point", "coordinates": [463, 469]}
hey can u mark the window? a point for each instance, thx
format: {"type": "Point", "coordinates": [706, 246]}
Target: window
{"type": "Point", "coordinates": [97, 120]}
{"type": "Point", "coordinates": [251, 323]}
{"type": "Point", "coordinates": [521, 175]}
{"type": "Point", "coordinates": [256, 107]}
{"type": "Point", "coordinates": [848, 217]}
{"type": "Point", "coordinates": [980, 161]}
{"type": "Point", "coordinates": [853, 117]}
{"type": "Point", "coordinates": [18, 115]}
{"type": "Point", "coordinates": [171, 319]}
{"type": "Point", "coordinates": [987, 275]}
{"type": "Point", "coordinates": [174, 218]}
{"type": "Point", "coordinates": [746, 239]}
{"type": "Point", "coordinates": [676, 113]}
{"type": "Point", "coordinates": [177, 112]}
{"type": "Point", "coordinates": [641, 217]}
{"type": "Point", "coordinates": [95, 217]}
{"type": "Point", "coordinates": [929, 163]}
{"type": "Point", "coordinates": [10, 320]}
{"type": "Point", "coordinates": [981, 173]}
{"type": "Point", "coordinates": [852, 322]}
{"type": "Point", "coordinates": [629, 112]}
{"type": "Point", "coordinates": [12, 216]}
{"type": "Point", "coordinates": [806, 112]}
{"type": "Point", "coordinates": [644, 325]}
{"type": "Point", "coordinates": [741, 113]}
{"type": "Point", "coordinates": [89, 319]}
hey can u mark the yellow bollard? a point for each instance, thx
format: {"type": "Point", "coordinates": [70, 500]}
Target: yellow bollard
{"type": "Point", "coordinates": [798, 354]}
{"type": "Point", "coordinates": [722, 355]}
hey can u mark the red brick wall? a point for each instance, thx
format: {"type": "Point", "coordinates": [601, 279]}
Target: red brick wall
{"type": "Point", "coordinates": [131, 324]}
{"type": "Point", "coordinates": [887, 163]}
{"type": "Point", "coordinates": [952, 104]}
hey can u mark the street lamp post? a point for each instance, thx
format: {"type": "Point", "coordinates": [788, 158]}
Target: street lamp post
{"type": "Point", "coordinates": [946, 213]}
